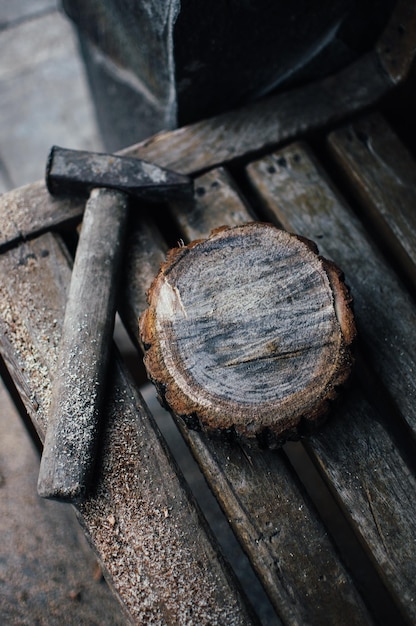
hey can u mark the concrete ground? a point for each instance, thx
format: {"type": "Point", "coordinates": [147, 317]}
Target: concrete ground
{"type": "Point", "coordinates": [48, 574]}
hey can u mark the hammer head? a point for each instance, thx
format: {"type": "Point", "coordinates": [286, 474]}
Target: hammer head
{"type": "Point", "coordinates": [77, 173]}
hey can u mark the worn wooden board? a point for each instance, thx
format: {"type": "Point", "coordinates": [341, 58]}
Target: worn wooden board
{"type": "Point", "coordinates": [141, 521]}
{"type": "Point", "coordinates": [197, 219]}
{"type": "Point", "coordinates": [356, 452]}
{"type": "Point", "coordinates": [381, 173]}
{"type": "Point", "coordinates": [296, 192]}
{"type": "Point", "coordinates": [396, 46]}
{"type": "Point", "coordinates": [213, 142]}
{"type": "Point", "coordinates": [270, 514]}
{"type": "Point", "coordinates": [266, 123]}
{"type": "Point", "coordinates": [145, 251]}
{"type": "Point", "coordinates": [30, 210]}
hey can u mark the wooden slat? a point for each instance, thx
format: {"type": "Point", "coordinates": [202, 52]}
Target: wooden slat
{"type": "Point", "coordinates": [44, 553]}
{"type": "Point", "coordinates": [264, 124]}
{"type": "Point", "coordinates": [29, 210]}
{"type": "Point", "coordinates": [357, 454]}
{"type": "Point", "coordinates": [204, 215]}
{"type": "Point", "coordinates": [254, 128]}
{"type": "Point", "coordinates": [396, 45]}
{"type": "Point", "coordinates": [140, 520]}
{"type": "Point", "coordinates": [296, 192]}
{"type": "Point", "coordinates": [274, 520]}
{"type": "Point", "coordinates": [382, 175]}
{"type": "Point", "coordinates": [145, 251]}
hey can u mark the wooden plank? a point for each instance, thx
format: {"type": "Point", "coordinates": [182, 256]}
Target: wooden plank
{"type": "Point", "coordinates": [221, 139]}
{"type": "Point", "coordinates": [145, 251]}
{"type": "Point", "coordinates": [141, 521]}
{"type": "Point", "coordinates": [30, 210]}
{"type": "Point", "coordinates": [296, 191]}
{"type": "Point", "coordinates": [273, 519]}
{"type": "Point", "coordinates": [356, 452]}
{"type": "Point", "coordinates": [381, 173]}
{"type": "Point", "coordinates": [269, 122]}
{"type": "Point", "coordinates": [396, 46]}
{"type": "Point", "coordinates": [376, 488]}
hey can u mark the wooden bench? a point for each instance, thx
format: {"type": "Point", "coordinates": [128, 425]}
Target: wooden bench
{"type": "Point", "coordinates": [321, 161]}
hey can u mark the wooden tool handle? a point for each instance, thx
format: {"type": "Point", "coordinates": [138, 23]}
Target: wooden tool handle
{"type": "Point", "coordinates": [79, 381]}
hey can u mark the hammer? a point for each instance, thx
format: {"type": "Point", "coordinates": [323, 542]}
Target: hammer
{"type": "Point", "coordinates": [78, 385]}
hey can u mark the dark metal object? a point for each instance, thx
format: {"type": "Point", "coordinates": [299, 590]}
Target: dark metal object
{"type": "Point", "coordinates": [79, 381]}
{"type": "Point", "coordinates": [76, 172]}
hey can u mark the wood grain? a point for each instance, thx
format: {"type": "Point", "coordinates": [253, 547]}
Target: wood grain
{"type": "Point", "coordinates": [148, 534]}
{"type": "Point", "coordinates": [245, 131]}
{"type": "Point", "coordinates": [296, 191]}
{"type": "Point", "coordinates": [30, 210]}
{"type": "Point", "coordinates": [271, 515]}
{"type": "Point", "coordinates": [381, 173]}
{"type": "Point", "coordinates": [224, 138]}
{"type": "Point", "coordinates": [217, 202]}
{"type": "Point", "coordinates": [248, 331]}
{"type": "Point", "coordinates": [356, 452]}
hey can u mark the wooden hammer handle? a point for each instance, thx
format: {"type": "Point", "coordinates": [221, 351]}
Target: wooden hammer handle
{"type": "Point", "coordinates": [79, 381]}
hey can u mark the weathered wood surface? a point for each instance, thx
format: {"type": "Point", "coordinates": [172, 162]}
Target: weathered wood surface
{"type": "Point", "coordinates": [356, 452]}
{"type": "Point", "coordinates": [248, 332]}
{"type": "Point", "coordinates": [80, 378]}
{"type": "Point", "coordinates": [145, 252]}
{"type": "Point", "coordinates": [197, 219]}
{"type": "Point", "coordinates": [146, 531]}
{"type": "Point", "coordinates": [396, 46]}
{"type": "Point", "coordinates": [262, 499]}
{"type": "Point", "coordinates": [29, 210]}
{"type": "Point", "coordinates": [267, 123]}
{"type": "Point", "coordinates": [381, 173]}
{"type": "Point", "coordinates": [251, 129]}
{"type": "Point", "coordinates": [290, 179]}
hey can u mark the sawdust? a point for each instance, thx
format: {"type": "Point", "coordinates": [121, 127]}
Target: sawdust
{"type": "Point", "coordinates": [145, 530]}
{"type": "Point", "coordinates": [148, 534]}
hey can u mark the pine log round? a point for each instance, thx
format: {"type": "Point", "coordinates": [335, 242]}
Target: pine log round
{"type": "Point", "coordinates": [249, 332]}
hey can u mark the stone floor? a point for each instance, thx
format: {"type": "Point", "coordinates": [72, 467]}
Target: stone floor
{"type": "Point", "coordinates": [44, 98]}
{"type": "Point", "coordinates": [48, 573]}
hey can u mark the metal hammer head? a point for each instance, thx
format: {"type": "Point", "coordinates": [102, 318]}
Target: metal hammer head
{"type": "Point", "coordinates": [76, 173]}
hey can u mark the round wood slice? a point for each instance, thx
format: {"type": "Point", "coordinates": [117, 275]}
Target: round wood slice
{"type": "Point", "coordinates": [248, 331]}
